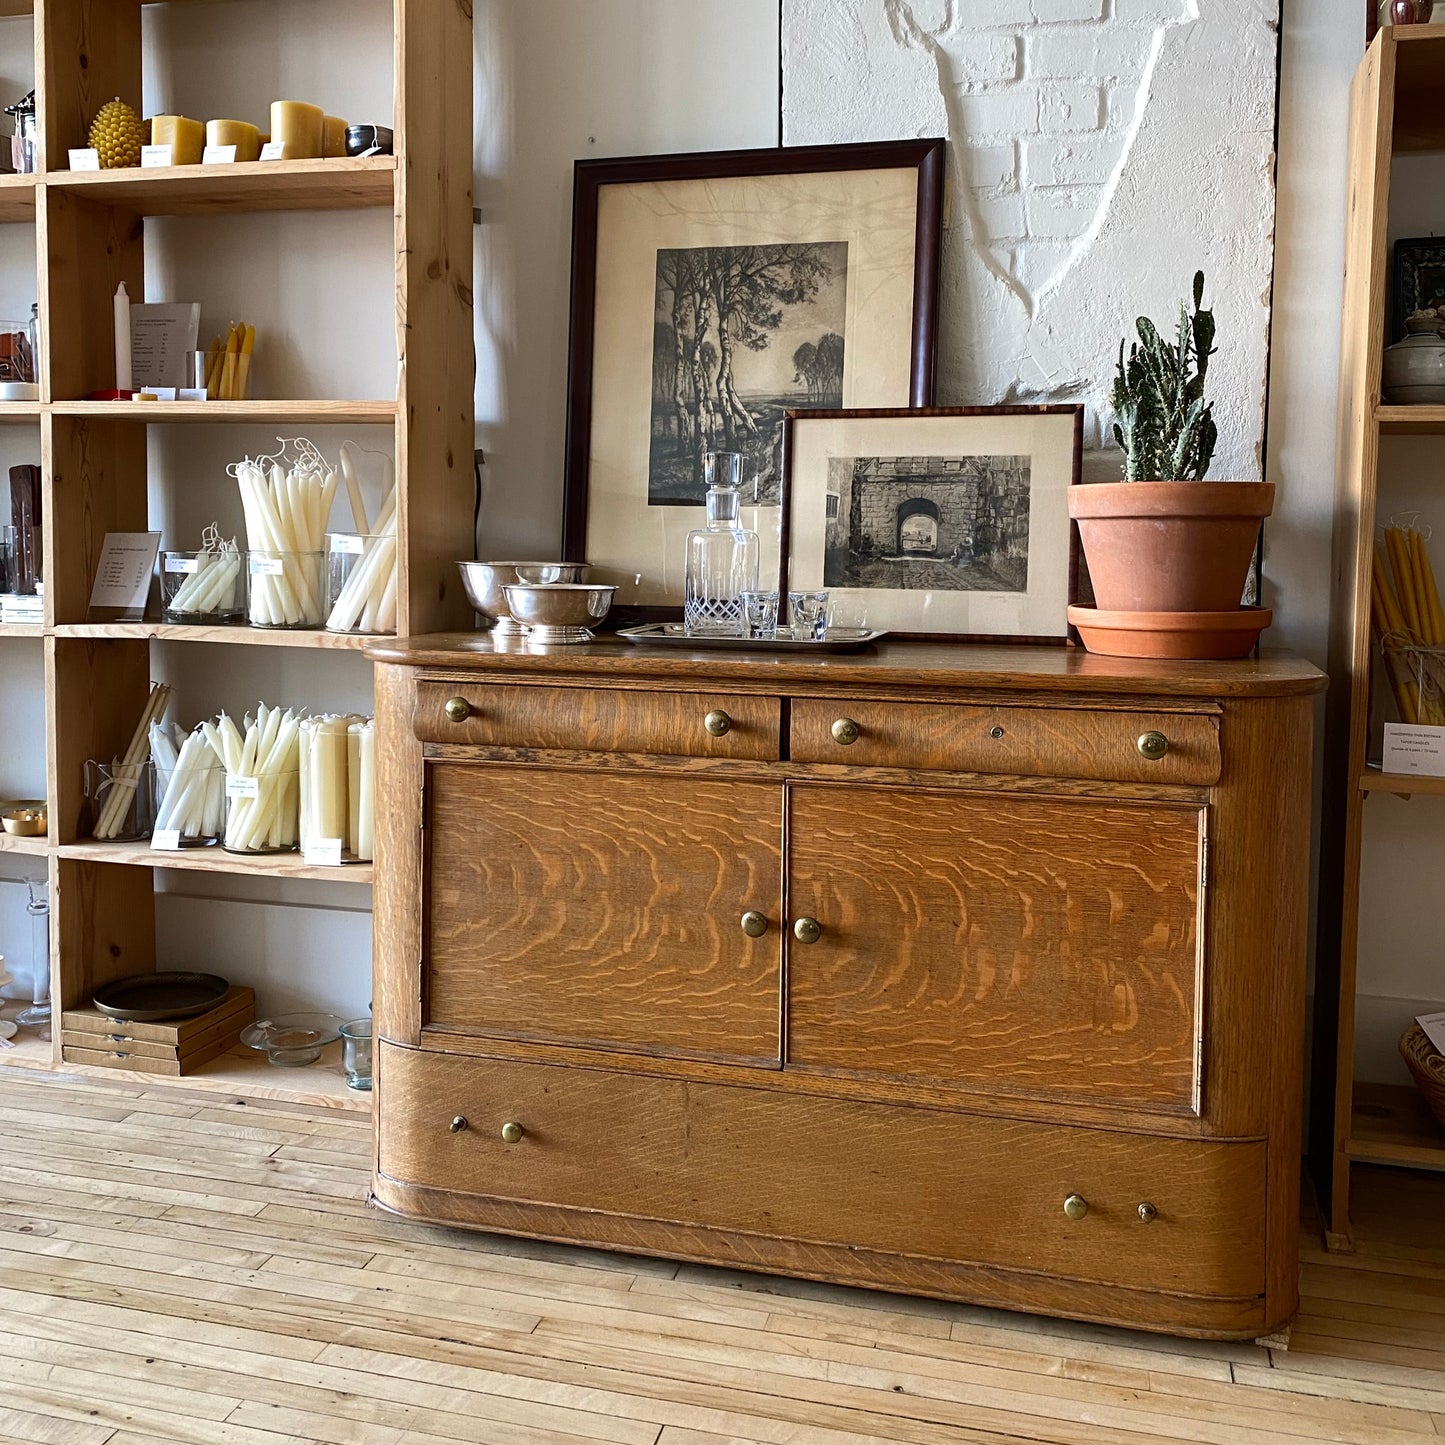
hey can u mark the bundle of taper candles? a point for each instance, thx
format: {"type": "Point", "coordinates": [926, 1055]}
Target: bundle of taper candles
{"type": "Point", "coordinates": [1409, 624]}
{"type": "Point", "coordinates": [228, 364]}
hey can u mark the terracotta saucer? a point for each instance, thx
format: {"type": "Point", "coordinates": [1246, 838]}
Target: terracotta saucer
{"type": "Point", "coordinates": [1181, 635]}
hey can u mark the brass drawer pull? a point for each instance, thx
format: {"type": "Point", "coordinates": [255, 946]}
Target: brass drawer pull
{"type": "Point", "coordinates": [995, 733]}
{"type": "Point", "coordinates": [1153, 745]}
{"type": "Point", "coordinates": [845, 732]}
{"type": "Point", "coordinates": [458, 709]}
{"type": "Point", "coordinates": [512, 1133]}
{"type": "Point", "coordinates": [807, 930]}
{"type": "Point", "coordinates": [718, 723]}
{"type": "Point", "coordinates": [1148, 1213]}
{"type": "Point", "coordinates": [1076, 1206]}
{"type": "Point", "coordinates": [458, 1124]}
{"type": "Point", "coordinates": [755, 924]}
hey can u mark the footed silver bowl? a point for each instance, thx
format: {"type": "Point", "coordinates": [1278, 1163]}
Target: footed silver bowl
{"type": "Point", "coordinates": [485, 583]}
{"type": "Point", "coordinates": [557, 612]}
{"type": "Point", "coordinates": [552, 572]}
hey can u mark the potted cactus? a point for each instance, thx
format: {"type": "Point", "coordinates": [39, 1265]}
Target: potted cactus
{"type": "Point", "coordinates": [1168, 552]}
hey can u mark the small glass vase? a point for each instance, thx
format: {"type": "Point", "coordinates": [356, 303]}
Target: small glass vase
{"type": "Point", "coordinates": [722, 557]}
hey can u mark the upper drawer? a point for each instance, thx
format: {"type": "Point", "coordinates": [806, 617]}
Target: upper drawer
{"type": "Point", "coordinates": [1043, 742]}
{"type": "Point", "coordinates": [600, 720]}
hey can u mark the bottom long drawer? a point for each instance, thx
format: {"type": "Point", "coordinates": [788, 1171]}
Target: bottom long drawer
{"type": "Point", "coordinates": [786, 1165]}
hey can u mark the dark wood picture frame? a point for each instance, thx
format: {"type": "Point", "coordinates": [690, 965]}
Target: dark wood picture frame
{"type": "Point", "coordinates": [928, 157]}
{"type": "Point", "coordinates": [951, 412]}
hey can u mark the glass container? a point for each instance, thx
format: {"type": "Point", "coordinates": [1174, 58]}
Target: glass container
{"type": "Point", "coordinates": [122, 799]}
{"type": "Point", "coordinates": [356, 1053]}
{"type": "Point", "coordinates": [37, 906]}
{"type": "Point", "coordinates": [722, 556]}
{"type": "Point", "coordinates": [361, 582]}
{"type": "Point", "coordinates": [760, 614]}
{"type": "Point", "coordinates": [286, 589]}
{"type": "Point", "coordinates": [202, 587]}
{"type": "Point", "coordinates": [263, 812]}
{"type": "Point", "coordinates": [809, 613]}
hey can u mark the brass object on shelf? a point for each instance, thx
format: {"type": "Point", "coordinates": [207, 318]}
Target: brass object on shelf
{"type": "Point", "coordinates": [458, 709]}
{"type": "Point", "coordinates": [1153, 745]}
{"type": "Point", "coordinates": [718, 723]}
{"type": "Point", "coordinates": [25, 817]}
{"type": "Point", "coordinates": [807, 930]}
{"type": "Point", "coordinates": [755, 924]}
{"type": "Point", "coordinates": [1076, 1206]}
{"type": "Point", "coordinates": [845, 732]}
{"type": "Point", "coordinates": [512, 1132]}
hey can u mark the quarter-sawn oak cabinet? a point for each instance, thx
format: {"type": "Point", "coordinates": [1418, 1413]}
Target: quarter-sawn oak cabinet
{"type": "Point", "coordinates": [968, 971]}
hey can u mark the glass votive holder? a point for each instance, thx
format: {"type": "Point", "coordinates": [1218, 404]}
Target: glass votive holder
{"type": "Point", "coordinates": [760, 614]}
{"type": "Point", "coordinates": [202, 586]}
{"type": "Point", "coordinates": [360, 582]}
{"type": "Point", "coordinates": [122, 798]}
{"type": "Point", "coordinates": [263, 812]}
{"type": "Point", "coordinates": [356, 1053]}
{"type": "Point", "coordinates": [809, 614]}
{"type": "Point", "coordinates": [286, 589]}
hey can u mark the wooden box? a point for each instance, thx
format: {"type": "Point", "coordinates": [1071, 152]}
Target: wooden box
{"type": "Point", "coordinates": [91, 1037]}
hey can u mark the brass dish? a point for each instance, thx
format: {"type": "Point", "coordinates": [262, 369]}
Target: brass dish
{"type": "Point", "coordinates": [24, 817]}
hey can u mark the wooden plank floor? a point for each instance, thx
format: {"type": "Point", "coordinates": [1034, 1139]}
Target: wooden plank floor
{"type": "Point", "coordinates": [188, 1267]}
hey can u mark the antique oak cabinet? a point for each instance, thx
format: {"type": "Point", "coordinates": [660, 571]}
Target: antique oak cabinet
{"type": "Point", "coordinates": [974, 972]}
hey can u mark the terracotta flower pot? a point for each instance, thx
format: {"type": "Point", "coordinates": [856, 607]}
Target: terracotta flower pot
{"type": "Point", "coordinates": [1169, 546]}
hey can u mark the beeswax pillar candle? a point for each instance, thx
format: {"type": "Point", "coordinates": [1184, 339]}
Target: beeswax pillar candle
{"type": "Point", "coordinates": [333, 136]}
{"type": "Point", "coordinates": [186, 138]}
{"type": "Point", "coordinates": [239, 133]}
{"type": "Point", "coordinates": [298, 127]}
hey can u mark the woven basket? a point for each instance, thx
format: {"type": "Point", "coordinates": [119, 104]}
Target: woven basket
{"type": "Point", "coordinates": [1427, 1064]}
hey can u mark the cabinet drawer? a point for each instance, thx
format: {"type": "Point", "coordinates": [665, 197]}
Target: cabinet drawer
{"type": "Point", "coordinates": [600, 720]}
{"type": "Point", "coordinates": [1033, 742]}
{"type": "Point", "coordinates": [872, 1176]}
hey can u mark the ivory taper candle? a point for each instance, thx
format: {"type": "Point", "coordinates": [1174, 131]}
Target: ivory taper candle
{"type": "Point", "coordinates": [297, 126]}
{"type": "Point", "coordinates": [333, 135]}
{"type": "Point", "coordinates": [239, 133]}
{"type": "Point", "coordinates": [122, 339]}
{"type": "Point", "coordinates": [185, 137]}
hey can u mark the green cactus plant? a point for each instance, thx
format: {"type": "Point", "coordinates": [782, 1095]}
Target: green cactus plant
{"type": "Point", "coordinates": [1163, 423]}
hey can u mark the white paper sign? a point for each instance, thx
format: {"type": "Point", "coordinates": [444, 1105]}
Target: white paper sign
{"type": "Point", "coordinates": [155, 156]}
{"type": "Point", "coordinates": [1434, 1026]}
{"type": "Point", "coordinates": [267, 566]}
{"type": "Point", "coordinates": [168, 840]}
{"type": "Point", "coordinates": [85, 160]}
{"type": "Point", "coordinates": [123, 574]}
{"type": "Point", "coordinates": [182, 564]}
{"type": "Point", "coordinates": [1412, 749]}
{"type": "Point", "coordinates": [345, 542]}
{"type": "Point", "coordinates": [274, 150]}
{"type": "Point", "coordinates": [323, 852]}
{"type": "Point", "coordinates": [218, 156]}
{"type": "Point", "coordinates": [162, 337]}
{"type": "Point", "coordinates": [191, 393]}
{"type": "Point", "coordinates": [239, 787]}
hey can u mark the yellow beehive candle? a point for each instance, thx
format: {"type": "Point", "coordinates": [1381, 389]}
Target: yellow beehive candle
{"type": "Point", "coordinates": [239, 133]}
{"type": "Point", "coordinates": [185, 138]}
{"type": "Point", "coordinates": [333, 135]}
{"type": "Point", "coordinates": [298, 127]}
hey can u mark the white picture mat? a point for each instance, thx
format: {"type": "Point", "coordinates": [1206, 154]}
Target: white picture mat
{"type": "Point", "coordinates": [1047, 440]}
{"type": "Point", "coordinates": [640, 548]}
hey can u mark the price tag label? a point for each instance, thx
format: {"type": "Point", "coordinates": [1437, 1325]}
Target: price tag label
{"type": "Point", "coordinates": [218, 156]}
{"type": "Point", "coordinates": [274, 150]}
{"type": "Point", "coordinates": [155, 156]}
{"type": "Point", "coordinates": [267, 566]}
{"type": "Point", "coordinates": [183, 564]}
{"type": "Point", "coordinates": [345, 542]}
{"type": "Point", "coordinates": [168, 840]}
{"type": "Point", "coordinates": [85, 160]}
{"type": "Point", "coordinates": [323, 852]}
{"type": "Point", "coordinates": [242, 787]}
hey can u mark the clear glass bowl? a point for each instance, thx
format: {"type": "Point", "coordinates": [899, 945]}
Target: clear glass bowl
{"type": "Point", "coordinates": [292, 1040]}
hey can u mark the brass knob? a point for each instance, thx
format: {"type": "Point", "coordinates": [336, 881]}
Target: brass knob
{"type": "Point", "coordinates": [1153, 745]}
{"type": "Point", "coordinates": [1148, 1213]}
{"type": "Point", "coordinates": [845, 732]}
{"type": "Point", "coordinates": [717, 722]}
{"type": "Point", "coordinates": [459, 1123]}
{"type": "Point", "coordinates": [512, 1132]}
{"type": "Point", "coordinates": [755, 924]}
{"type": "Point", "coordinates": [995, 733]}
{"type": "Point", "coordinates": [807, 930]}
{"type": "Point", "coordinates": [458, 709]}
{"type": "Point", "coordinates": [1076, 1206]}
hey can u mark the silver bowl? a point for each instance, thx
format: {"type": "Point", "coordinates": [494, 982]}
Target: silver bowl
{"type": "Point", "coordinates": [484, 583]}
{"type": "Point", "coordinates": [552, 572]}
{"type": "Point", "coordinates": [559, 611]}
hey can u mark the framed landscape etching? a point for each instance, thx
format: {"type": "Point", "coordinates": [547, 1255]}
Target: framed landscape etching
{"type": "Point", "coordinates": [936, 523]}
{"type": "Point", "coordinates": [711, 294]}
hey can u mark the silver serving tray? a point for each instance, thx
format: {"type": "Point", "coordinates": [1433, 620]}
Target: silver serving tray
{"type": "Point", "coordinates": [672, 634]}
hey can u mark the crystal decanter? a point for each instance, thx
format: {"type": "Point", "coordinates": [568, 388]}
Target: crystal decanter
{"type": "Point", "coordinates": [722, 557]}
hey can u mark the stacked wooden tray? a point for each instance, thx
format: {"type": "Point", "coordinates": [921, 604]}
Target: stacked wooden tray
{"type": "Point", "coordinates": [176, 1049]}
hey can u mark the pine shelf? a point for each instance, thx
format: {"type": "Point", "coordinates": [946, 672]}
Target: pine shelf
{"type": "Point", "coordinates": [1391, 1124]}
{"type": "Point", "coordinates": [320, 413]}
{"type": "Point", "coordinates": [238, 636]}
{"type": "Point", "coordinates": [1372, 780]}
{"type": "Point", "coordinates": [17, 193]}
{"type": "Point", "coordinates": [216, 860]}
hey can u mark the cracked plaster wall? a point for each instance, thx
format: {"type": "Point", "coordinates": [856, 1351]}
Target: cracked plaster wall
{"type": "Point", "coordinates": [1103, 150]}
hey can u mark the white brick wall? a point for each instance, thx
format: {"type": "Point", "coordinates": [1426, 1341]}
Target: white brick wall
{"type": "Point", "coordinates": [1071, 123]}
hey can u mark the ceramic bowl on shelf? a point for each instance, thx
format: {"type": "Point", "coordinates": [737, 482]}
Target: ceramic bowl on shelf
{"type": "Point", "coordinates": [1413, 370]}
{"type": "Point", "coordinates": [292, 1040]}
{"type": "Point", "coordinates": [558, 612]}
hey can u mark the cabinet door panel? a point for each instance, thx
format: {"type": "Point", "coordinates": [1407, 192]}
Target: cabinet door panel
{"type": "Point", "coordinates": [605, 911]}
{"type": "Point", "coordinates": [1042, 946]}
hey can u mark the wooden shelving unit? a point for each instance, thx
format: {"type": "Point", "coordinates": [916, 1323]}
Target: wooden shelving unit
{"type": "Point", "coordinates": [1395, 108]}
{"type": "Point", "coordinates": [91, 236]}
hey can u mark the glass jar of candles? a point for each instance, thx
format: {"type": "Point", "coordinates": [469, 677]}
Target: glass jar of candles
{"type": "Point", "coordinates": [285, 589]}
{"type": "Point", "coordinates": [203, 587]}
{"type": "Point", "coordinates": [361, 582]}
{"type": "Point", "coordinates": [263, 812]}
{"type": "Point", "coordinates": [122, 798]}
